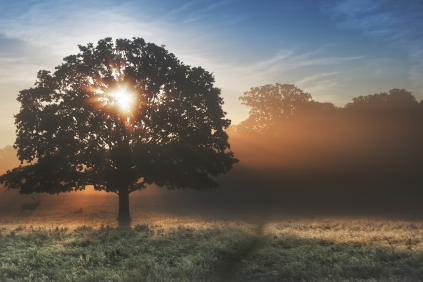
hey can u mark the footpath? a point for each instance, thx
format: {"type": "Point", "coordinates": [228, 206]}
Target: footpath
{"type": "Point", "coordinates": [229, 266]}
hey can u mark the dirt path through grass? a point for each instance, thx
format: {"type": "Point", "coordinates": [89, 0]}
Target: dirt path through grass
{"type": "Point", "coordinates": [229, 266]}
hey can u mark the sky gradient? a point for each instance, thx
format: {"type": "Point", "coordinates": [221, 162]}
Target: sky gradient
{"type": "Point", "coordinates": [335, 50]}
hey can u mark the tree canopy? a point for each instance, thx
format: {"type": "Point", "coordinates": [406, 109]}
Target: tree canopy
{"type": "Point", "coordinates": [272, 104]}
{"type": "Point", "coordinates": [396, 104]}
{"type": "Point", "coordinates": [119, 116]}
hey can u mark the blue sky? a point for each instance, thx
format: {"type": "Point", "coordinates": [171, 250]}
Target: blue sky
{"type": "Point", "coordinates": [335, 50]}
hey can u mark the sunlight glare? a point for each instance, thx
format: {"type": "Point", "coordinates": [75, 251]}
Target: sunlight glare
{"type": "Point", "coordinates": [123, 99]}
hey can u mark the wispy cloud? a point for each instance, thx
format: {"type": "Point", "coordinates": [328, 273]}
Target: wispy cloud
{"type": "Point", "coordinates": [213, 6]}
{"type": "Point", "coordinates": [287, 60]}
{"type": "Point", "coordinates": [286, 66]}
{"type": "Point", "coordinates": [310, 79]}
{"type": "Point", "coordinates": [57, 28]}
{"type": "Point", "coordinates": [54, 26]}
{"type": "Point", "coordinates": [397, 23]}
{"type": "Point", "coordinates": [10, 60]}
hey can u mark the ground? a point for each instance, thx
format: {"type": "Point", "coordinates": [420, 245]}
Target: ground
{"type": "Point", "coordinates": [76, 238]}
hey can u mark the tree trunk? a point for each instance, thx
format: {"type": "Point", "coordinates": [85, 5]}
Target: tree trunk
{"type": "Point", "coordinates": [124, 217]}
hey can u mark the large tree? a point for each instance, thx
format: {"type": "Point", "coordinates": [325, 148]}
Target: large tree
{"type": "Point", "coordinates": [119, 116]}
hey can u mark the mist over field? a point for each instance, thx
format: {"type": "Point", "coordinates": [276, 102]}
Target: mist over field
{"type": "Point", "coordinates": [323, 160]}
{"type": "Point", "coordinates": [327, 194]}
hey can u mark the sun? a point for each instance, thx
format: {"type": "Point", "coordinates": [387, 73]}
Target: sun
{"type": "Point", "coordinates": [122, 98]}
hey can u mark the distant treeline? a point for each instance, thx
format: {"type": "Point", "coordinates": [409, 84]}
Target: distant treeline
{"type": "Point", "coordinates": [292, 147]}
{"type": "Point", "coordinates": [291, 144]}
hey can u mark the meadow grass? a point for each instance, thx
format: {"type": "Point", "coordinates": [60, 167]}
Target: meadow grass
{"type": "Point", "coordinates": [80, 241]}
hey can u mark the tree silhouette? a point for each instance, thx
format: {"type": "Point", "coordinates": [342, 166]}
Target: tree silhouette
{"type": "Point", "coordinates": [396, 104]}
{"type": "Point", "coordinates": [120, 116]}
{"type": "Point", "coordinates": [270, 105]}
{"type": "Point", "coordinates": [370, 147]}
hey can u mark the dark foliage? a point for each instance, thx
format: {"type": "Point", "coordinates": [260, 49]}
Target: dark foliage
{"type": "Point", "coordinates": [372, 147]}
{"type": "Point", "coordinates": [270, 105]}
{"type": "Point", "coordinates": [398, 104]}
{"type": "Point", "coordinates": [75, 128]}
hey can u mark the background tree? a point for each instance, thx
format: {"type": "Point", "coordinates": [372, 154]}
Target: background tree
{"type": "Point", "coordinates": [397, 104]}
{"type": "Point", "coordinates": [120, 116]}
{"type": "Point", "coordinates": [272, 104]}
{"type": "Point", "coordinates": [295, 147]}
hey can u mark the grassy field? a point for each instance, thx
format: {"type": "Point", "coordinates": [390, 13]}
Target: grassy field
{"type": "Point", "coordinates": [78, 240]}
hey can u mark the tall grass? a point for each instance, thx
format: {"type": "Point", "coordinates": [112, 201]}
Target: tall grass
{"type": "Point", "coordinates": [80, 241]}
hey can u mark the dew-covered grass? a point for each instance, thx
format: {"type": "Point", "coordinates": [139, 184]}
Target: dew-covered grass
{"type": "Point", "coordinates": [79, 240]}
